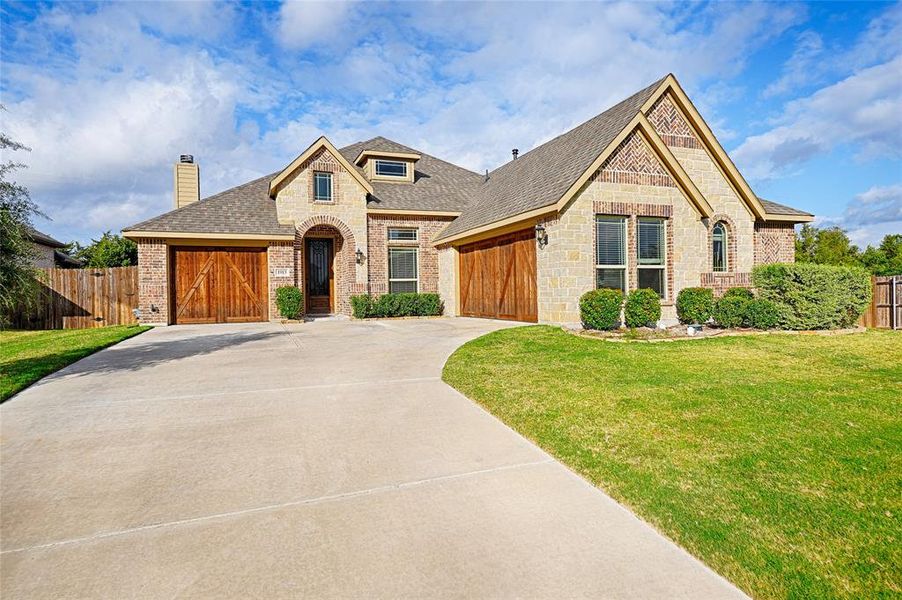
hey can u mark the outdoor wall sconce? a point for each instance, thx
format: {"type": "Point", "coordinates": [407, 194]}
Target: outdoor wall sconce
{"type": "Point", "coordinates": [541, 235]}
{"type": "Point", "coordinates": [360, 256]}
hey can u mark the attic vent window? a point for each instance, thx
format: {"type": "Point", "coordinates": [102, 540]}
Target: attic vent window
{"type": "Point", "coordinates": [391, 168]}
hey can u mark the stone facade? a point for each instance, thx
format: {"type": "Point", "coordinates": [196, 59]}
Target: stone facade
{"type": "Point", "coordinates": [447, 277]}
{"type": "Point", "coordinates": [427, 256]}
{"type": "Point", "coordinates": [153, 281]}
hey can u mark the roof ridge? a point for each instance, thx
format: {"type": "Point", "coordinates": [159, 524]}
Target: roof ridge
{"type": "Point", "coordinates": [611, 108]}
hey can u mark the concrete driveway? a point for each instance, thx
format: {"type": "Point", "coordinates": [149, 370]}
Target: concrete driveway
{"type": "Point", "coordinates": [319, 460]}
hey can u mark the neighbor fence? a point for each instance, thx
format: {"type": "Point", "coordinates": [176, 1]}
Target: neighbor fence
{"type": "Point", "coordinates": [81, 299]}
{"type": "Point", "coordinates": [885, 311]}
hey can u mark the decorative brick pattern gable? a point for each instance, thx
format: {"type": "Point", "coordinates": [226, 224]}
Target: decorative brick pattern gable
{"type": "Point", "coordinates": [633, 162]}
{"type": "Point", "coordinates": [774, 242]}
{"type": "Point", "coordinates": [665, 117]}
{"type": "Point", "coordinates": [377, 254]}
{"type": "Point", "coordinates": [153, 281]}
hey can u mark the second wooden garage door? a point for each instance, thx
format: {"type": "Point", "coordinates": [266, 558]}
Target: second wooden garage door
{"type": "Point", "coordinates": [498, 278]}
{"type": "Point", "coordinates": [219, 285]}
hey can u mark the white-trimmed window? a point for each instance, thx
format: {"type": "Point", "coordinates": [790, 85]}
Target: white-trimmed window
{"type": "Point", "coordinates": [402, 270]}
{"type": "Point", "coordinates": [402, 234]}
{"type": "Point", "coordinates": [610, 252]}
{"type": "Point", "coordinates": [652, 251]}
{"type": "Point", "coordinates": [719, 247]}
{"type": "Point", "coordinates": [391, 168]}
{"type": "Point", "coordinates": [322, 186]}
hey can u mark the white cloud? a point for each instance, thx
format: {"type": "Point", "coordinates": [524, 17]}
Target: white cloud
{"type": "Point", "coordinates": [805, 64]}
{"type": "Point", "coordinates": [870, 215]}
{"type": "Point", "coordinates": [862, 110]}
{"type": "Point", "coordinates": [303, 24]}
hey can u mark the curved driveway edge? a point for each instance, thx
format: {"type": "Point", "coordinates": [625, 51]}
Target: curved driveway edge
{"type": "Point", "coordinates": [326, 459]}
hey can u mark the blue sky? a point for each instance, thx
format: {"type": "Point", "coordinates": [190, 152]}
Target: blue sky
{"type": "Point", "coordinates": [806, 98]}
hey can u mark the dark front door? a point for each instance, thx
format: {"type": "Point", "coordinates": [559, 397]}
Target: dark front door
{"type": "Point", "coordinates": [320, 278]}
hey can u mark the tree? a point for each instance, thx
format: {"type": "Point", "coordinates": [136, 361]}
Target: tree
{"type": "Point", "coordinates": [885, 259]}
{"type": "Point", "coordinates": [829, 246]}
{"type": "Point", "coordinates": [110, 250]}
{"type": "Point", "coordinates": [18, 285]}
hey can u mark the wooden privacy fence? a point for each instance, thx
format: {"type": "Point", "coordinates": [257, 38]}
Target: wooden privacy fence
{"type": "Point", "coordinates": [82, 298]}
{"type": "Point", "coordinates": [885, 311]}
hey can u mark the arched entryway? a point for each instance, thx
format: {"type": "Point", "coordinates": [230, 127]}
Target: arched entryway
{"type": "Point", "coordinates": [326, 261]}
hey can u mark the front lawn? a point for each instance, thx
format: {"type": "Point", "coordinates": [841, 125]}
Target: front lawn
{"type": "Point", "coordinates": [26, 356]}
{"type": "Point", "coordinates": [775, 459]}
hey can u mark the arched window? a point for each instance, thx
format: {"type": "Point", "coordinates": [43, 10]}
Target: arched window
{"type": "Point", "coordinates": [719, 246]}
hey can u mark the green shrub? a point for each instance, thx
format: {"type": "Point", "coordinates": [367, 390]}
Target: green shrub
{"type": "Point", "coordinates": [406, 304]}
{"type": "Point", "coordinates": [694, 305]}
{"type": "Point", "coordinates": [362, 306]}
{"type": "Point", "coordinates": [643, 307]}
{"type": "Point", "coordinates": [761, 314]}
{"type": "Point", "coordinates": [429, 305]}
{"type": "Point", "coordinates": [600, 309]}
{"type": "Point", "coordinates": [739, 292]}
{"type": "Point", "coordinates": [289, 301]}
{"type": "Point", "coordinates": [730, 311]}
{"type": "Point", "coordinates": [813, 296]}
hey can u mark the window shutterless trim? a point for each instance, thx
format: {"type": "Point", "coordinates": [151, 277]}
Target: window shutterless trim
{"type": "Point", "coordinates": [391, 230]}
{"type": "Point", "coordinates": [623, 245]}
{"type": "Point", "coordinates": [316, 197]}
{"type": "Point", "coordinates": [724, 248]}
{"type": "Point", "coordinates": [381, 162]}
{"type": "Point", "coordinates": [662, 245]}
{"type": "Point", "coordinates": [416, 280]}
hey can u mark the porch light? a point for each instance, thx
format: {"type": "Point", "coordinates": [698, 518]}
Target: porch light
{"type": "Point", "coordinates": [360, 256]}
{"type": "Point", "coordinates": [541, 235]}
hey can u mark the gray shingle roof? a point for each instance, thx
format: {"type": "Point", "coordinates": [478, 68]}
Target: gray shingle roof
{"type": "Point", "coordinates": [438, 185]}
{"type": "Point", "coordinates": [541, 176]}
{"type": "Point", "coordinates": [246, 209]}
{"type": "Point", "coordinates": [537, 179]}
{"type": "Point", "coordinates": [42, 238]}
{"type": "Point", "coordinates": [782, 209]}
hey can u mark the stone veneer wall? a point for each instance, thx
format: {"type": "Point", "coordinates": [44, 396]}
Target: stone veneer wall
{"type": "Point", "coordinates": [153, 281]}
{"type": "Point", "coordinates": [447, 278]}
{"type": "Point", "coordinates": [427, 260]}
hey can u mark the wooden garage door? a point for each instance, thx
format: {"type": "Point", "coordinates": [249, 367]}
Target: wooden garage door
{"type": "Point", "coordinates": [219, 285]}
{"type": "Point", "coordinates": [498, 278]}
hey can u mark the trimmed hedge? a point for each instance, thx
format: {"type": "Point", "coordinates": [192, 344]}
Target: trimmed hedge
{"type": "Point", "coordinates": [600, 309]}
{"type": "Point", "coordinates": [812, 296]}
{"type": "Point", "coordinates": [730, 311]}
{"type": "Point", "coordinates": [739, 292]}
{"type": "Point", "coordinates": [643, 307]}
{"type": "Point", "coordinates": [289, 301]}
{"type": "Point", "coordinates": [761, 314]}
{"type": "Point", "coordinates": [694, 305]}
{"type": "Point", "coordinates": [396, 305]}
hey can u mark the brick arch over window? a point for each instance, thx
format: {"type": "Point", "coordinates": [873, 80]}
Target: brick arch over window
{"type": "Point", "coordinates": [731, 242]}
{"type": "Point", "coordinates": [345, 259]}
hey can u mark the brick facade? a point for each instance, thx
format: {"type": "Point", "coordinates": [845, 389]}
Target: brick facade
{"type": "Point", "coordinates": [633, 162]}
{"type": "Point", "coordinates": [774, 242]}
{"type": "Point", "coordinates": [280, 256]}
{"type": "Point", "coordinates": [153, 281]}
{"type": "Point", "coordinates": [669, 123]}
{"type": "Point", "coordinates": [721, 282]}
{"type": "Point", "coordinates": [427, 260]}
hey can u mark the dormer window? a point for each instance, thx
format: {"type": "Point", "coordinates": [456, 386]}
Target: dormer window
{"type": "Point", "coordinates": [391, 168]}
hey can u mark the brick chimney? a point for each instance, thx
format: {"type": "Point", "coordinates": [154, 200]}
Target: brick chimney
{"type": "Point", "coordinates": [186, 177]}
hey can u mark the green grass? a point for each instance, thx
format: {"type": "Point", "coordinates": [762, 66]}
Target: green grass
{"type": "Point", "coordinates": [777, 459]}
{"type": "Point", "coordinates": [26, 356]}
